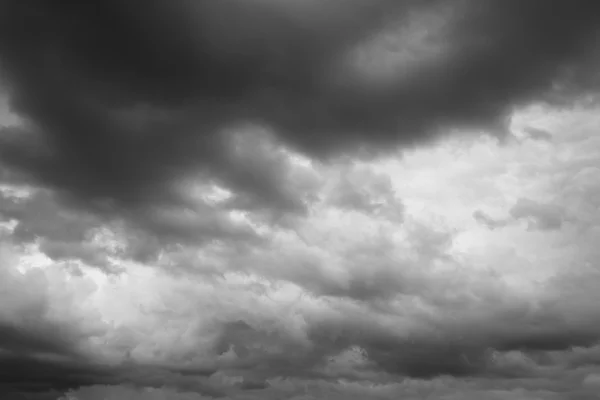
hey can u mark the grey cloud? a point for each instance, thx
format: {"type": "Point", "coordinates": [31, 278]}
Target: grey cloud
{"type": "Point", "coordinates": [32, 371]}
{"type": "Point", "coordinates": [592, 380]}
{"type": "Point", "coordinates": [485, 335]}
{"type": "Point", "coordinates": [65, 231]}
{"type": "Point", "coordinates": [470, 315]}
{"type": "Point", "coordinates": [62, 233]}
{"type": "Point", "coordinates": [544, 217]}
{"type": "Point", "coordinates": [30, 375]}
{"type": "Point", "coordinates": [122, 99]}
{"type": "Point", "coordinates": [538, 134]}
{"type": "Point", "coordinates": [580, 357]}
{"type": "Point", "coordinates": [89, 254]}
{"type": "Point", "coordinates": [459, 338]}
{"type": "Point", "coordinates": [375, 271]}
{"type": "Point", "coordinates": [26, 323]}
{"type": "Point", "coordinates": [473, 330]}
{"type": "Point", "coordinates": [488, 221]}
{"type": "Point", "coordinates": [363, 190]}
{"type": "Point", "coordinates": [540, 216]}
{"type": "Point", "coordinates": [254, 385]}
{"type": "Point", "coordinates": [40, 216]}
{"type": "Point", "coordinates": [117, 392]}
{"type": "Point", "coordinates": [43, 348]}
{"type": "Point", "coordinates": [410, 389]}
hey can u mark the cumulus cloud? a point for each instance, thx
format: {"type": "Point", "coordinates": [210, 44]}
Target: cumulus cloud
{"type": "Point", "coordinates": [538, 134]}
{"type": "Point", "coordinates": [539, 216]}
{"type": "Point", "coordinates": [488, 221]}
{"type": "Point", "coordinates": [349, 295]}
{"type": "Point", "coordinates": [106, 392]}
{"type": "Point", "coordinates": [123, 100]}
{"type": "Point", "coordinates": [299, 200]}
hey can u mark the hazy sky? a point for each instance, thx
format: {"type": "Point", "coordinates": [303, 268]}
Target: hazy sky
{"type": "Point", "coordinates": [300, 199]}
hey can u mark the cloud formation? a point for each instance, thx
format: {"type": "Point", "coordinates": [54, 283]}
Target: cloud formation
{"type": "Point", "coordinates": [349, 303]}
{"type": "Point", "coordinates": [123, 100]}
{"type": "Point", "coordinates": [299, 199]}
{"type": "Point", "coordinates": [539, 216]}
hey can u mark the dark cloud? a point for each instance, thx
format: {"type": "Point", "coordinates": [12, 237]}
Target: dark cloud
{"type": "Point", "coordinates": [52, 339]}
{"type": "Point", "coordinates": [488, 221]}
{"type": "Point", "coordinates": [39, 216]}
{"type": "Point", "coordinates": [66, 231]}
{"type": "Point", "coordinates": [254, 385]}
{"type": "Point", "coordinates": [116, 392]}
{"type": "Point", "coordinates": [494, 337]}
{"type": "Point", "coordinates": [38, 371]}
{"type": "Point", "coordinates": [36, 374]}
{"type": "Point", "coordinates": [538, 134]}
{"type": "Point", "coordinates": [363, 190]}
{"type": "Point", "coordinates": [541, 216]}
{"type": "Point", "coordinates": [464, 340]}
{"type": "Point", "coordinates": [473, 328]}
{"type": "Point", "coordinates": [44, 346]}
{"type": "Point", "coordinates": [60, 233]}
{"type": "Point", "coordinates": [123, 99]}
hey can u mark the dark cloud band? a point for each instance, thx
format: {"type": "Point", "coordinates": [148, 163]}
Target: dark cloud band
{"type": "Point", "coordinates": [124, 98]}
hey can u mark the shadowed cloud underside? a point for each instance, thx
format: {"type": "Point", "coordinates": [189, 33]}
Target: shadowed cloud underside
{"type": "Point", "coordinates": [299, 199]}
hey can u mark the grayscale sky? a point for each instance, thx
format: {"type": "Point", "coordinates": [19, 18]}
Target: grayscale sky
{"type": "Point", "coordinates": [300, 199]}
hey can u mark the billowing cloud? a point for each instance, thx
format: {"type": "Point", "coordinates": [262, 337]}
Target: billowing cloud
{"type": "Point", "coordinates": [541, 216]}
{"type": "Point", "coordinates": [538, 216]}
{"type": "Point", "coordinates": [123, 100]}
{"type": "Point", "coordinates": [488, 221]}
{"type": "Point", "coordinates": [538, 134]}
{"type": "Point", "coordinates": [299, 200]}
{"type": "Point", "coordinates": [353, 298]}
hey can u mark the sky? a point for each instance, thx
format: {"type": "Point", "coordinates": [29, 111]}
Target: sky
{"type": "Point", "coordinates": [299, 199]}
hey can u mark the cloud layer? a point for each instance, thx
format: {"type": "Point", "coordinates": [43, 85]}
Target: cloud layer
{"type": "Point", "coordinates": [123, 100]}
{"type": "Point", "coordinates": [299, 199]}
{"type": "Point", "coordinates": [402, 292]}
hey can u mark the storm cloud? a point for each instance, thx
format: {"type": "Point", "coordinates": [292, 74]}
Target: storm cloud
{"type": "Point", "coordinates": [123, 100]}
{"type": "Point", "coordinates": [299, 199]}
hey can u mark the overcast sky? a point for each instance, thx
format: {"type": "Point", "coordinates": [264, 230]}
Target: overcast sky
{"type": "Point", "coordinates": [299, 199]}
